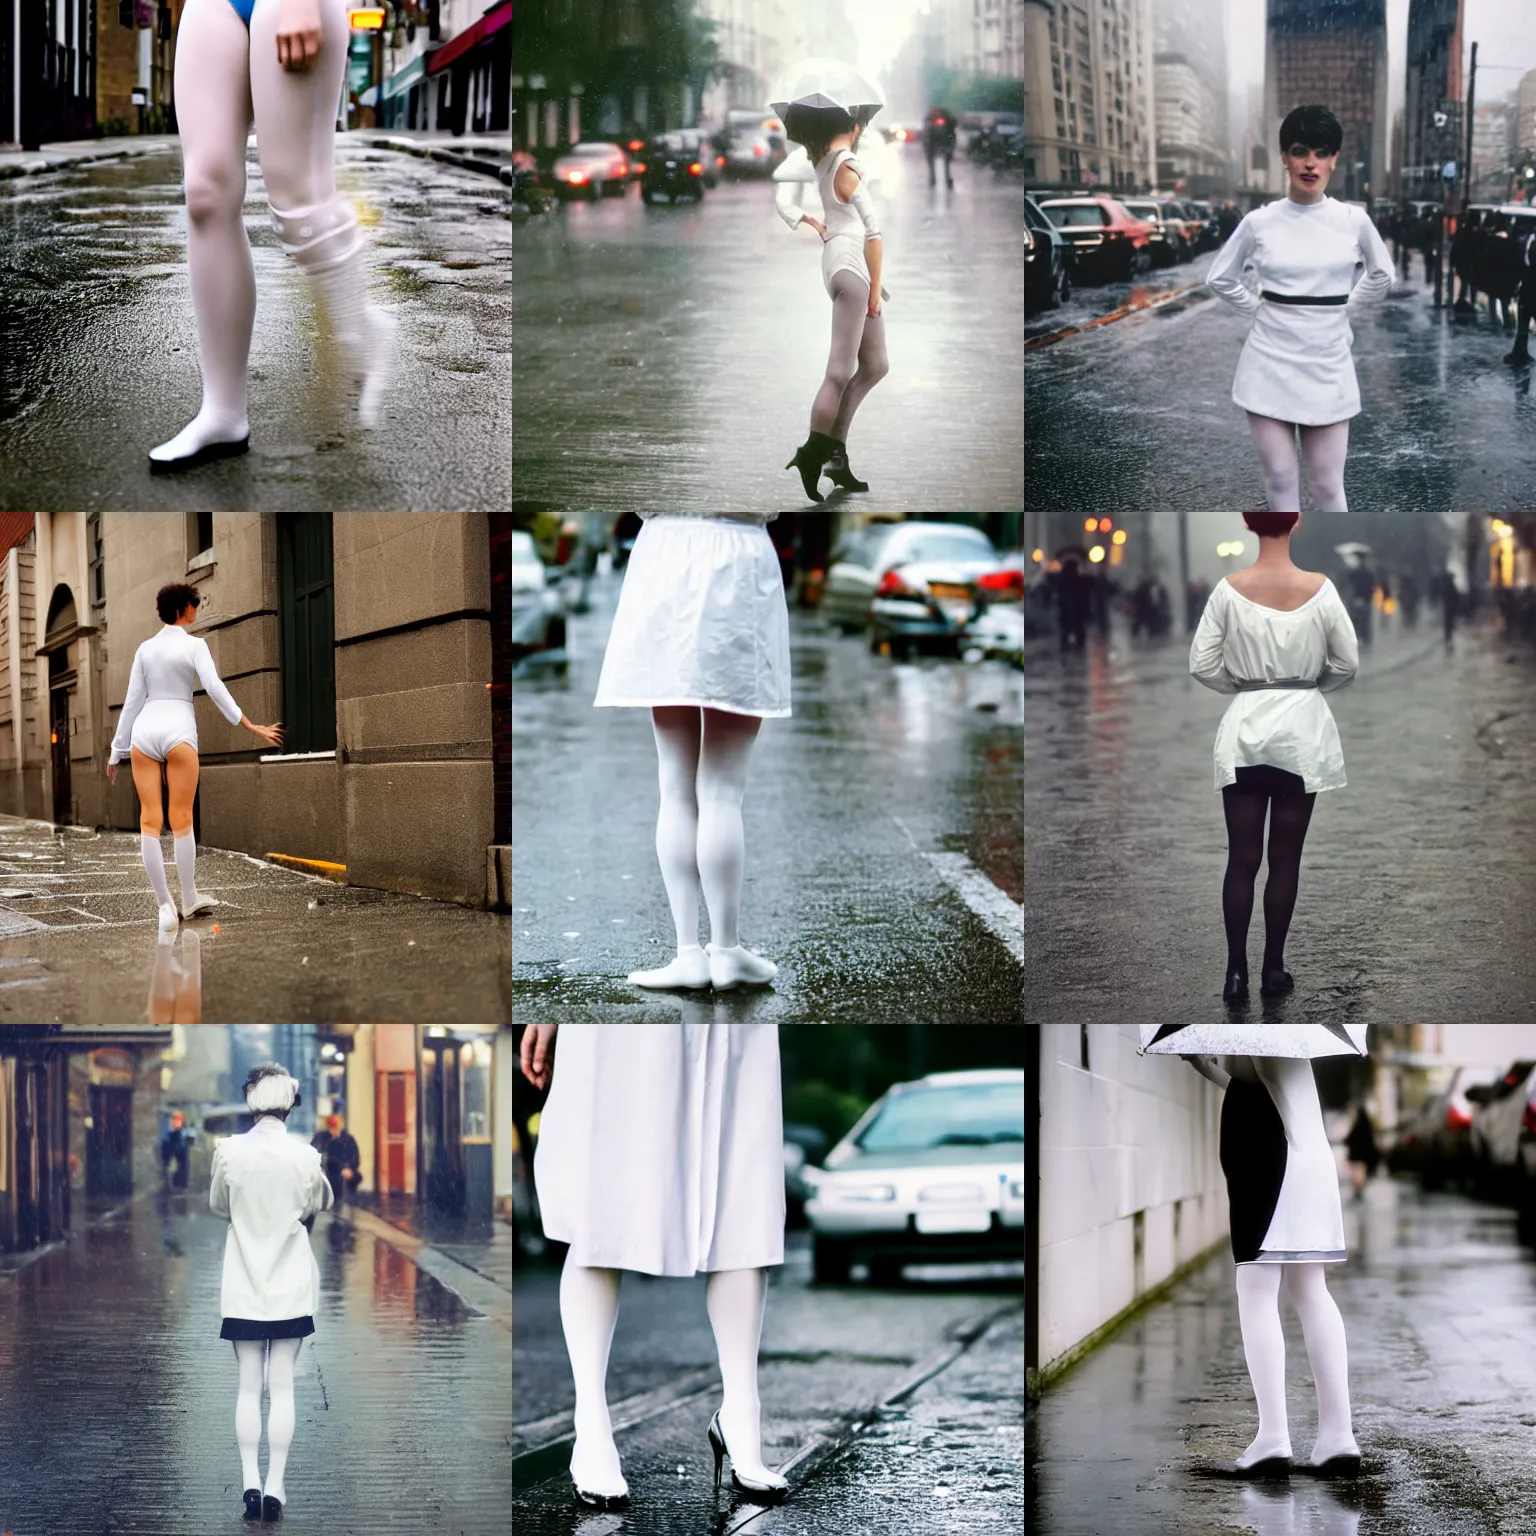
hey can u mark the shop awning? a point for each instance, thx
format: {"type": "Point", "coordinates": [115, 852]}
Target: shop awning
{"type": "Point", "coordinates": [403, 79]}
{"type": "Point", "coordinates": [456, 47]}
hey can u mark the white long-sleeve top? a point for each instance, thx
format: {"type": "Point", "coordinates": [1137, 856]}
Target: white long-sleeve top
{"type": "Point", "coordinates": [166, 666]}
{"type": "Point", "coordinates": [1240, 644]}
{"type": "Point", "coordinates": [266, 1183]}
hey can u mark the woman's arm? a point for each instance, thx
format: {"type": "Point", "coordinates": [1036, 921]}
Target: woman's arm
{"type": "Point", "coordinates": [1379, 268]}
{"type": "Point", "coordinates": [218, 1190]}
{"type": "Point", "coordinates": [1343, 648]}
{"type": "Point", "coordinates": [123, 740]}
{"type": "Point", "coordinates": [793, 173]}
{"type": "Point", "coordinates": [1207, 653]}
{"type": "Point", "coordinates": [1225, 278]}
{"type": "Point", "coordinates": [223, 700]}
{"type": "Point", "coordinates": [1210, 1067]}
{"type": "Point", "coordinates": [849, 186]}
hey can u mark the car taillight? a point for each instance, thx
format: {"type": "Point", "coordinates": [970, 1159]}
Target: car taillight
{"type": "Point", "coordinates": [719, 160]}
{"type": "Point", "coordinates": [759, 150]}
{"type": "Point", "coordinates": [695, 169]}
{"type": "Point", "coordinates": [1456, 1118]}
{"type": "Point", "coordinates": [576, 178]}
{"type": "Point", "coordinates": [891, 585]}
{"type": "Point", "coordinates": [636, 144]}
{"type": "Point", "coordinates": [639, 166]}
{"type": "Point", "coordinates": [1002, 581]}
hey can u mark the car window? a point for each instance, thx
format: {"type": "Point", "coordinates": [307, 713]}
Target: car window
{"type": "Point", "coordinates": [523, 547]}
{"type": "Point", "coordinates": [942, 544]}
{"type": "Point", "coordinates": [1077, 215]}
{"type": "Point", "coordinates": [858, 548]}
{"type": "Point", "coordinates": [966, 1115]}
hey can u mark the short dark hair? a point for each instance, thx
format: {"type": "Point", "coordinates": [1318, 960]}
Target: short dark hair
{"type": "Point", "coordinates": [816, 127]}
{"type": "Point", "coordinates": [171, 601]}
{"type": "Point", "coordinates": [1271, 525]}
{"type": "Point", "coordinates": [1316, 127]}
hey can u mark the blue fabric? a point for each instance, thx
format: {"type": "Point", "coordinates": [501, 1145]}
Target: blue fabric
{"type": "Point", "coordinates": [243, 9]}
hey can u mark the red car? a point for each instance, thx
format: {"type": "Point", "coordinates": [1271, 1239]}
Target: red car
{"type": "Point", "coordinates": [1105, 235]}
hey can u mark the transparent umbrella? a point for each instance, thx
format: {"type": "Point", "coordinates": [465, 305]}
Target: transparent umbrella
{"type": "Point", "coordinates": [1301, 1040]}
{"type": "Point", "coordinates": [823, 83]}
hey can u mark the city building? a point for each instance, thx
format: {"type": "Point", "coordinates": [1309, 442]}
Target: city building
{"type": "Point", "coordinates": [1332, 52]}
{"type": "Point", "coordinates": [1434, 122]}
{"type": "Point", "coordinates": [1525, 118]}
{"type": "Point", "coordinates": [135, 65]}
{"type": "Point", "coordinates": [1395, 157]}
{"type": "Point", "coordinates": [446, 66]}
{"type": "Point", "coordinates": [1189, 74]}
{"type": "Point", "coordinates": [380, 640]}
{"type": "Point", "coordinates": [1257, 148]}
{"type": "Point", "coordinates": [1493, 142]}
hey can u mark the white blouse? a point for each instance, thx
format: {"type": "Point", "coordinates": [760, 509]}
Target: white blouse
{"type": "Point", "coordinates": [1241, 647]}
{"type": "Point", "coordinates": [166, 666]}
{"type": "Point", "coordinates": [265, 1184]}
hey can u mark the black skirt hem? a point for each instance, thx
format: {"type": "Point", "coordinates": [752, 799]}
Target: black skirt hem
{"type": "Point", "coordinates": [257, 1328]}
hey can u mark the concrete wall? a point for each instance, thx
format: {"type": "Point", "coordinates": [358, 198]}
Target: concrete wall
{"type": "Point", "coordinates": [1130, 1177]}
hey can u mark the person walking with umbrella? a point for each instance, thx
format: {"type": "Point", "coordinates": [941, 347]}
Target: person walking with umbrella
{"type": "Point", "coordinates": [825, 108]}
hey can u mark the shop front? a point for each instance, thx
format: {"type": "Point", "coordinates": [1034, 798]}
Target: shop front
{"type": "Point", "coordinates": [457, 1173]}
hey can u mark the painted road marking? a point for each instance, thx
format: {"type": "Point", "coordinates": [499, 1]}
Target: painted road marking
{"type": "Point", "coordinates": [994, 906]}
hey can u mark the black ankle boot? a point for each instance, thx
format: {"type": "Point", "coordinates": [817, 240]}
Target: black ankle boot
{"type": "Point", "coordinates": [1275, 981]}
{"type": "Point", "coordinates": [809, 458]}
{"type": "Point", "coordinates": [839, 473]}
{"type": "Point", "coordinates": [1236, 988]}
{"type": "Point", "coordinates": [252, 1497]}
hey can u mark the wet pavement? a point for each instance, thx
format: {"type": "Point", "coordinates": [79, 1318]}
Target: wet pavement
{"type": "Point", "coordinates": [867, 1446]}
{"type": "Point", "coordinates": [669, 355]}
{"type": "Point", "coordinates": [79, 941]}
{"type": "Point", "coordinates": [1437, 1299]}
{"type": "Point", "coordinates": [884, 845]}
{"type": "Point", "coordinates": [1139, 412]}
{"type": "Point", "coordinates": [99, 338]}
{"type": "Point", "coordinates": [1414, 901]}
{"type": "Point", "coordinates": [117, 1396]}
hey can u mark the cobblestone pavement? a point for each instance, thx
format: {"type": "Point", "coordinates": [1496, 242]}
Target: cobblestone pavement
{"type": "Point", "coordinates": [1416, 889]}
{"type": "Point", "coordinates": [117, 1397]}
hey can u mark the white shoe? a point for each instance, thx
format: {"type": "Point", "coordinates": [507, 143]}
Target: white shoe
{"type": "Point", "coordinates": [169, 921]}
{"type": "Point", "coordinates": [738, 967]}
{"type": "Point", "coordinates": [199, 905]}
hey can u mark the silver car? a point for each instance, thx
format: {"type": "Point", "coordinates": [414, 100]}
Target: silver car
{"type": "Point", "coordinates": [1500, 1127]}
{"type": "Point", "coordinates": [933, 1172]}
{"type": "Point", "coordinates": [863, 560]}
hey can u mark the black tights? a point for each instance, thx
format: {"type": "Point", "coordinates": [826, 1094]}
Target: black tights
{"type": "Point", "coordinates": [1289, 816]}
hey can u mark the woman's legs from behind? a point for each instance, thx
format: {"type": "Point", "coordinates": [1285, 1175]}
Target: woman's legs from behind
{"type": "Point", "coordinates": [248, 1354]}
{"type": "Point", "coordinates": [181, 769]}
{"type": "Point", "coordinates": [1258, 1310]}
{"type": "Point", "coordinates": [1276, 442]}
{"type": "Point", "coordinates": [1324, 450]}
{"type": "Point", "coordinates": [146, 780]}
{"type": "Point", "coordinates": [735, 1299]}
{"type": "Point", "coordinates": [850, 308]}
{"type": "Point", "coordinates": [1289, 818]}
{"type": "Point", "coordinates": [282, 1356]}
{"type": "Point", "coordinates": [722, 785]}
{"type": "Point", "coordinates": [1244, 811]}
{"type": "Point", "coordinates": [1328, 1354]}
{"type": "Point", "coordinates": [874, 364]}
{"type": "Point", "coordinates": [589, 1306]}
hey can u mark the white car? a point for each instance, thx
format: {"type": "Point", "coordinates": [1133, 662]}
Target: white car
{"type": "Point", "coordinates": [592, 170]}
{"type": "Point", "coordinates": [1501, 1116]}
{"type": "Point", "coordinates": [933, 1172]}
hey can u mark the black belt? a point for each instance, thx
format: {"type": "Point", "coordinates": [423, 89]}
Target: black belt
{"type": "Point", "coordinates": [1294, 298]}
{"type": "Point", "coordinates": [1250, 685]}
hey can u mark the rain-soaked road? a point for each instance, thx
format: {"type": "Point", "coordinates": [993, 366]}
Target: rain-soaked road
{"type": "Point", "coordinates": [668, 355]}
{"type": "Point", "coordinates": [79, 941]}
{"type": "Point", "coordinates": [1139, 412]}
{"type": "Point", "coordinates": [1415, 900]}
{"type": "Point", "coordinates": [1438, 1302]}
{"type": "Point", "coordinates": [100, 346]}
{"type": "Point", "coordinates": [117, 1397]}
{"type": "Point", "coordinates": [882, 822]}
{"type": "Point", "coordinates": [943, 1460]}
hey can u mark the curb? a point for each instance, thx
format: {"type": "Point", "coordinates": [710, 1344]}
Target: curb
{"type": "Point", "coordinates": [464, 160]}
{"type": "Point", "coordinates": [42, 165]}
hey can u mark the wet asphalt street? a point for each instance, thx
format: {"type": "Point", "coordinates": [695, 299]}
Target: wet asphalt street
{"type": "Point", "coordinates": [1139, 412]}
{"type": "Point", "coordinates": [100, 345]}
{"type": "Point", "coordinates": [1438, 1301]}
{"type": "Point", "coordinates": [884, 842]}
{"type": "Point", "coordinates": [944, 1460]}
{"type": "Point", "coordinates": [668, 355]}
{"type": "Point", "coordinates": [117, 1397]}
{"type": "Point", "coordinates": [79, 941]}
{"type": "Point", "coordinates": [1415, 899]}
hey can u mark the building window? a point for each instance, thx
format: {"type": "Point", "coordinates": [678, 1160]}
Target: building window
{"type": "Point", "coordinates": [97, 563]}
{"type": "Point", "coordinates": [204, 532]}
{"type": "Point", "coordinates": [307, 620]}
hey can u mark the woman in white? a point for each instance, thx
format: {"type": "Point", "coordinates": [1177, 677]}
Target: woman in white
{"type": "Point", "coordinates": [158, 731]}
{"type": "Point", "coordinates": [270, 1187]}
{"type": "Point", "coordinates": [701, 639]}
{"type": "Point", "coordinates": [1279, 638]}
{"type": "Point", "coordinates": [1304, 251]}
{"type": "Point", "coordinates": [1286, 1223]}
{"type": "Point", "coordinates": [851, 261]}
{"type": "Point", "coordinates": [660, 1150]}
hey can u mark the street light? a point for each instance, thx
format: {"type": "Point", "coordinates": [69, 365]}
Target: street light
{"type": "Point", "coordinates": [1096, 554]}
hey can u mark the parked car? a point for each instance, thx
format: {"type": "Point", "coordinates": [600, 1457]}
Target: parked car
{"type": "Point", "coordinates": [1048, 258]}
{"type": "Point", "coordinates": [592, 170]}
{"type": "Point", "coordinates": [672, 167]}
{"type": "Point", "coordinates": [1498, 1113]}
{"type": "Point", "coordinates": [1210, 225]}
{"type": "Point", "coordinates": [1166, 242]}
{"type": "Point", "coordinates": [753, 143]}
{"type": "Point", "coordinates": [1188, 224]}
{"type": "Point", "coordinates": [804, 1147]}
{"type": "Point", "coordinates": [1433, 1143]}
{"type": "Point", "coordinates": [1107, 239]}
{"type": "Point", "coordinates": [538, 606]}
{"type": "Point", "coordinates": [932, 1172]}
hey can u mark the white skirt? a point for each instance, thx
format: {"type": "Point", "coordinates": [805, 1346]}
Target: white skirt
{"type": "Point", "coordinates": [661, 1147]}
{"type": "Point", "coordinates": [701, 620]}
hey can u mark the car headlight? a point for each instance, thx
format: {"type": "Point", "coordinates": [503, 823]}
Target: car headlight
{"type": "Point", "coordinates": [862, 1192]}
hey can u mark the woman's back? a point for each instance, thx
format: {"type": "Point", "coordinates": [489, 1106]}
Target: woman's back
{"type": "Point", "coordinates": [170, 662]}
{"type": "Point", "coordinates": [1282, 587]}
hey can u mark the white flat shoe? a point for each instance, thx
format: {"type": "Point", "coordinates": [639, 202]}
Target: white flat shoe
{"type": "Point", "coordinates": [169, 921]}
{"type": "Point", "coordinates": [738, 967]}
{"type": "Point", "coordinates": [200, 905]}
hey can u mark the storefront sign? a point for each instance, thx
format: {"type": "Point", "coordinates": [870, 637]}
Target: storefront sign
{"type": "Point", "coordinates": [112, 1069]}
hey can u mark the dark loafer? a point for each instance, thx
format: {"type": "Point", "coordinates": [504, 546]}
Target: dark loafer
{"type": "Point", "coordinates": [252, 1497]}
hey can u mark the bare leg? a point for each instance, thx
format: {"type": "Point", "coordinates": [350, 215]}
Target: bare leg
{"type": "Point", "coordinates": [1325, 449]}
{"type": "Point", "coordinates": [735, 1299]}
{"type": "Point", "coordinates": [1258, 1308]}
{"type": "Point", "coordinates": [1328, 1354]}
{"type": "Point", "coordinates": [181, 770]}
{"type": "Point", "coordinates": [146, 780]}
{"type": "Point", "coordinates": [589, 1307]}
{"type": "Point", "coordinates": [1276, 442]}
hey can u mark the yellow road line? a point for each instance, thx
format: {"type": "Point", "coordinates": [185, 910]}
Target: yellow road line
{"type": "Point", "coordinates": [336, 872]}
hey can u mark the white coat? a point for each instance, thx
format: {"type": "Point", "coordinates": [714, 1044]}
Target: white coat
{"type": "Point", "coordinates": [661, 1147]}
{"type": "Point", "coordinates": [265, 1183]}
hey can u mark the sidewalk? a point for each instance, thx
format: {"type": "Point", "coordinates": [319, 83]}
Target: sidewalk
{"type": "Point", "coordinates": [1437, 1298]}
{"type": "Point", "coordinates": [61, 156]}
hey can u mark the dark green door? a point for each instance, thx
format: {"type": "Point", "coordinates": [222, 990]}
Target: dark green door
{"type": "Point", "coordinates": [309, 637]}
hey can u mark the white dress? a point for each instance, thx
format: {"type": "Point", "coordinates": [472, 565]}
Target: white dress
{"type": "Point", "coordinates": [1279, 665]}
{"type": "Point", "coordinates": [661, 1147]}
{"type": "Point", "coordinates": [157, 712]}
{"type": "Point", "coordinates": [1296, 364]}
{"type": "Point", "coordinates": [701, 618]}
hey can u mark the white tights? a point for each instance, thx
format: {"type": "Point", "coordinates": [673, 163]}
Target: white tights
{"type": "Point", "coordinates": [1258, 1305]}
{"type": "Point", "coordinates": [1324, 450]}
{"type": "Point", "coordinates": [284, 1353]}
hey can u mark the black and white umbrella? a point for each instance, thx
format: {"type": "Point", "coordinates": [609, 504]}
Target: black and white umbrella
{"type": "Point", "coordinates": [1297, 1040]}
{"type": "Point", "coordinates": [820, 84]}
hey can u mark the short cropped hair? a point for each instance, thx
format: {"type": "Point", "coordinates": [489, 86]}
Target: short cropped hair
{"type": "Point", "coordinates": [1271, 525]}
{"type": "Point", "coordinates": [171, 601]}
{"type": "Point", "coordinates": [269, 1090]}
{"type": "Point", "coordinates": [1316, 127]}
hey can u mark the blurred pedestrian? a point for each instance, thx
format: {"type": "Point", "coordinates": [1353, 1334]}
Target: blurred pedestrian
{"type": "Point", "coordinates": [341, 1157]}
{"type": "Point", "coordinates": [173, 1150]}
{"type": "Point", "coordinates": [701, 639]}
{"type": "Point", "coordinates": [1520, 352]}
{"type": "Point", "coordinates": [1449, 595]}
{"type": "Point", "coordinates": [661, 1151]}
{"type": "Point", "coordinates": [1360, 1145]}
{"type": "Point", "coordinates": [1227, 219]}
{"type": "Point", "coordinates": [267, 1184]}
{"type": "Point", "coordinates": [939, 143]}
{"type": "Point", "coordinates": [1150, 608]}
{"type": "Point", "coordinates": [1072, 603]}
{"type": "Point", "coordinates": [1402, 237]}
{"type": "Point", "coordinates": [1278, 638]}
{"type": "Point", "coordinates": [1409, 598]}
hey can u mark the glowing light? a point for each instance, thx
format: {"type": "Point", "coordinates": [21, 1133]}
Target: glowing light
{"type": "Point", "coordinates": [1096, 554]}
{"type": "Point", "coordinates": [1038, 556]}
{"type": "Point", "coordinates": [1119, 536]}
{"type": "Point", "coordinates": [1091, 526]}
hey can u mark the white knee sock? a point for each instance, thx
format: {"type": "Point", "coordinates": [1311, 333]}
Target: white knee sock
{"type": "Point", "coordinates": [589, 1306]}
{"type": "Point", "coordinates": [154, 866]}
{"type": "Point", "coordinates": [1328, 1354]}
{"type": "Point", "coordinates": [186, 870]}
{"type": "Point", "coordinates": [735, 1299]}
{"type": "Point", "coordinates": [1258, 1308]}
{"type": "Point", "coordinates": [248, 1411]}
{"type": "Point", "coordinates": [280, 1413]}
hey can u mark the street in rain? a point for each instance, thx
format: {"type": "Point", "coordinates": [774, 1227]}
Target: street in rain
{"type": "Point", "coordinates": [883, 842]}
{"type": "Point", "coordinates": [117, 1392]}
{"type": "Point", "coordinates": [1414, 899]}
{"type": "Point", "coordinates": [670, 347]}
{"type": "Point", "coordinates": [101, 359]}
{"type": "Point", "coordinates": [1140, 1392]}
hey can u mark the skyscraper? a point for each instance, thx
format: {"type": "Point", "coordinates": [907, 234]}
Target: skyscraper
{"type": "Point", "coordinates": [1189, 69]}
{"type": "Point", "coordinates": [1433, 86]}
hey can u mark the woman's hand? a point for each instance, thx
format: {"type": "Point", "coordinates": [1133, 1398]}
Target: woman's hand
{"type": "Point", "coordinates": [111, 770]}
{"type": "Point", "coordinates": [298, 33]}
{"type": "Point", "coordinates": [874, 304]}
{"type": "Point", "coordinates": [816, 224]}
{"type": "Point", "coordinates": [271, 734]}
{"type": "Point", "coordinates": [538, 1053]}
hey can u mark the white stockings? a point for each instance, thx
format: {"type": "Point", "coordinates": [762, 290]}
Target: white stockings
{"type": "Point", "coordinates": [283, 1355]}
{"type": "Point", "coordinates": [1258, 1304]}
{"type": "Point", "coordinates": [589, 1304]}
{"type": "Point", "coordinates": [1324, 450]}
{"type": "Point", "coordinates": [735, 1298]}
